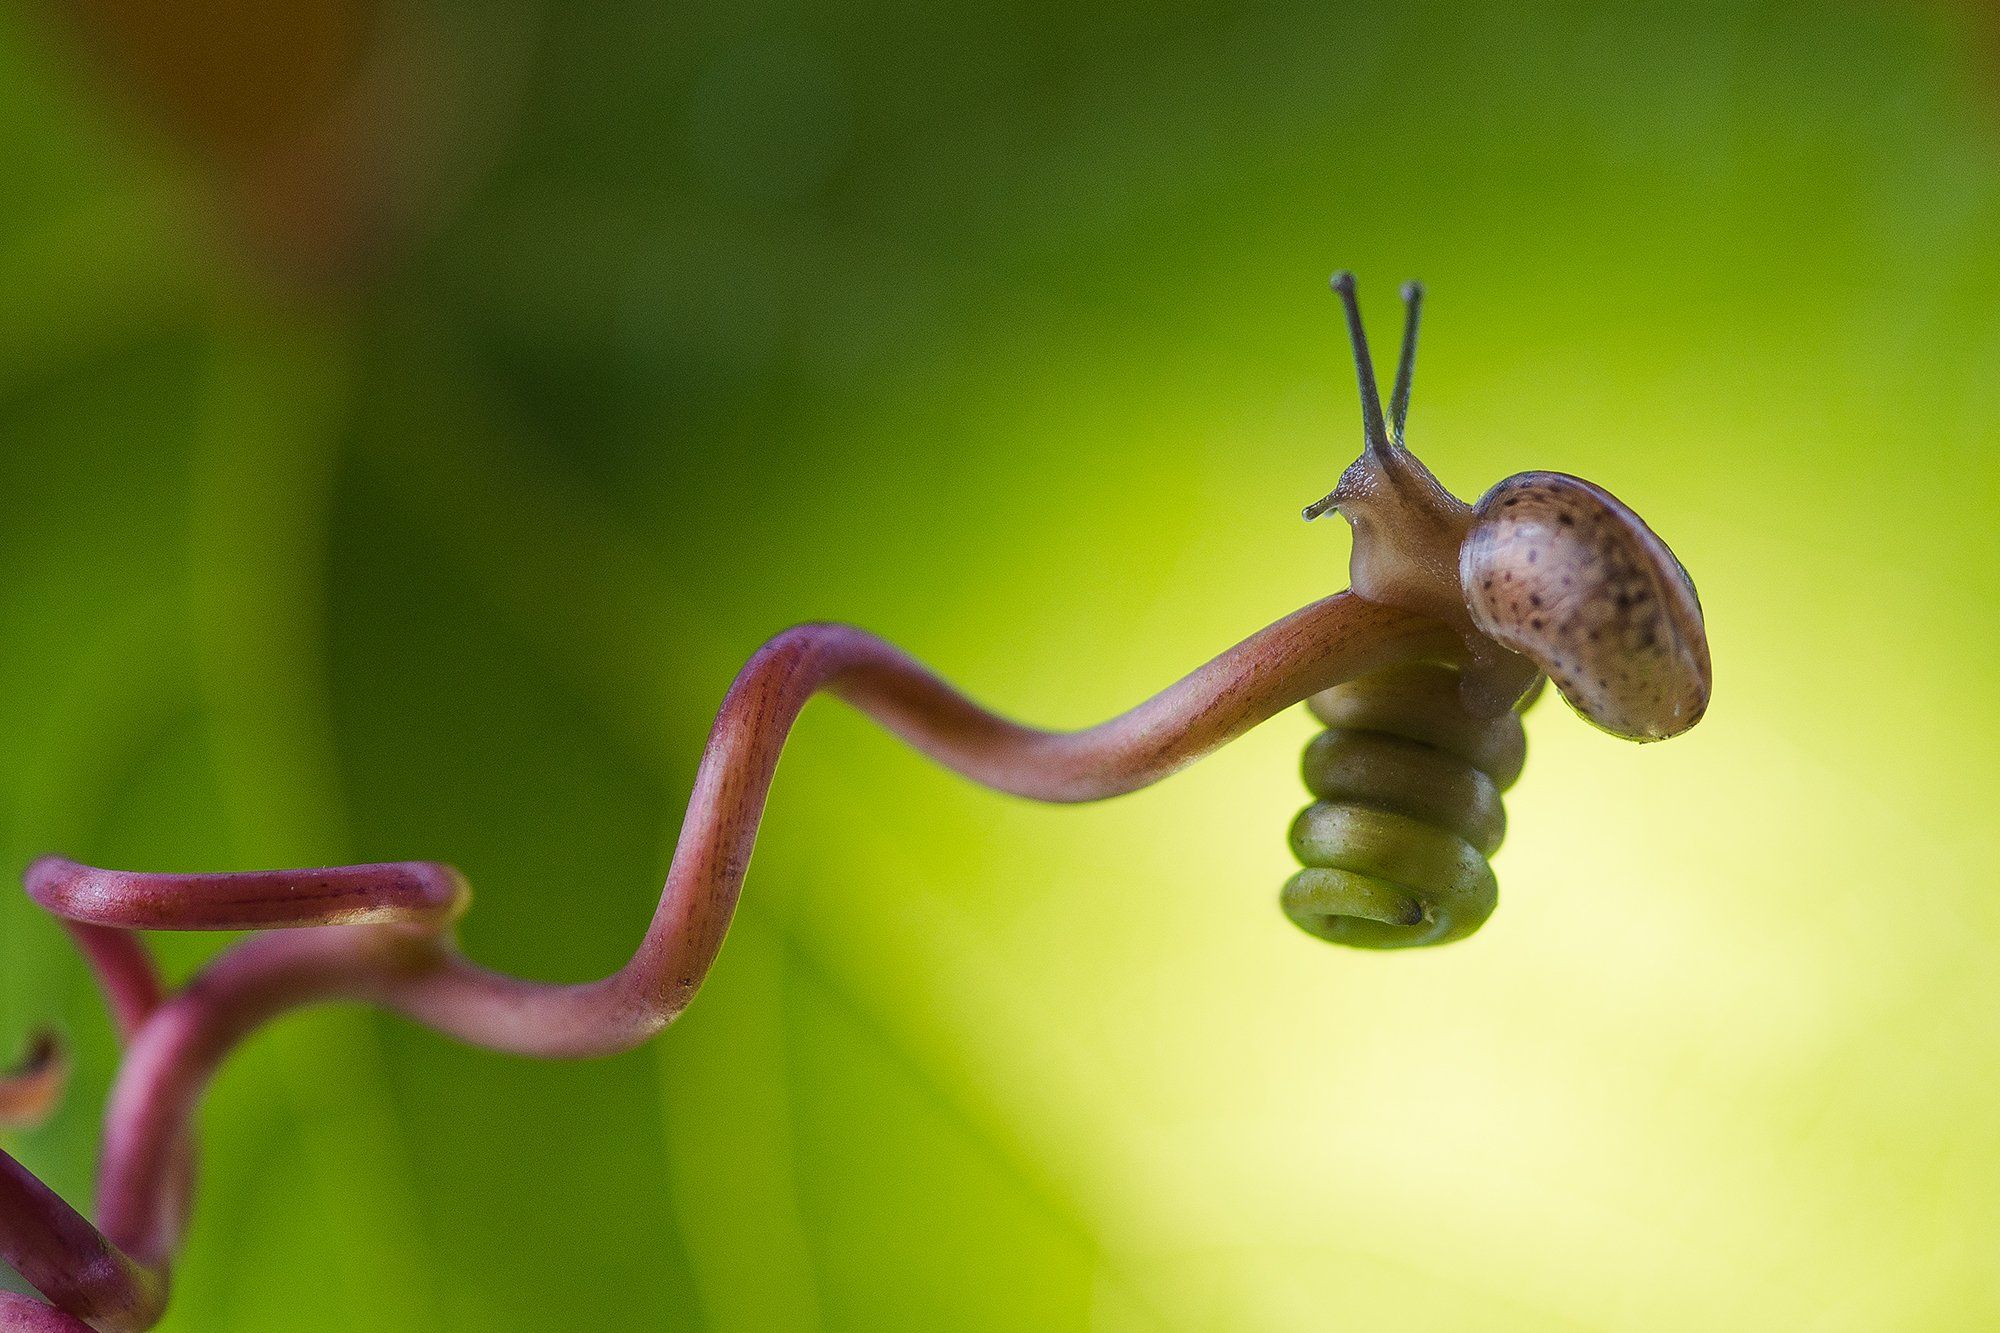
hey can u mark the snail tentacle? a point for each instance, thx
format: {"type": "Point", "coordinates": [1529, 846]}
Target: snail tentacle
{"type": "Point", "coordinates": [1406, 364]}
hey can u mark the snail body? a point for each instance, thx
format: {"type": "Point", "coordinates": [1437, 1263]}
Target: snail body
{"type": "Point", "coordinates": [1548, 577]}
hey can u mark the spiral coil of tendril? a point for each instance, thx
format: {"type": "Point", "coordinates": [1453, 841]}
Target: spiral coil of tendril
{"type": "Point", "coordinates": [1406, 812]}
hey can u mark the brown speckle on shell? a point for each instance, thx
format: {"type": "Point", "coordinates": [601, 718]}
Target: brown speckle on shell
{"type": "Point", "coordinates": [1590, 594]}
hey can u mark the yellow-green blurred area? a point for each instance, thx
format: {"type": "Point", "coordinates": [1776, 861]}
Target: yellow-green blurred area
{"type": "Point", "coordinates": [411, 416]}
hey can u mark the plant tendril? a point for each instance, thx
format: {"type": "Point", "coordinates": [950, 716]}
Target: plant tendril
{"type": "Point", "coordinates": [381, 934]}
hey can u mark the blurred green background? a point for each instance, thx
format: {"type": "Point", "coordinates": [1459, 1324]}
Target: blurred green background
{"type": "Point", "coordinates": [412, 414]}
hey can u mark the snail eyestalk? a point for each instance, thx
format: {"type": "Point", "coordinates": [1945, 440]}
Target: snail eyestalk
{"type": "Point", "coordinates": [1406, 364]}
{"type": "Point", "coordinates": [1376, 442]}
{"type": "Point", "coordinates": [1374, 434]}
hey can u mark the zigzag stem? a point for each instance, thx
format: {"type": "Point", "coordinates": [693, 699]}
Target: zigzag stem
{"type": "Point", "coordinates": [381, 934]}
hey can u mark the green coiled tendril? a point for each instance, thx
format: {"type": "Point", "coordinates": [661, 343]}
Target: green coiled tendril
{"type": "Point", "coordinates": [1406, 812]}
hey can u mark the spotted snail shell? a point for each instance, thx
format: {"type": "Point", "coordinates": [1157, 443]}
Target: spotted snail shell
{"type": "Point", "coordinates": [1559, 570]}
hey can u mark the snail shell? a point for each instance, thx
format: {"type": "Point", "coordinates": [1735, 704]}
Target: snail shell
{"type": "Point", "coordinates": [1560, 571]}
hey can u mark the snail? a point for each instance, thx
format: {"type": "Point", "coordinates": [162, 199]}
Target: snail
{"type": "Point", "coordinates": [1547, 578]}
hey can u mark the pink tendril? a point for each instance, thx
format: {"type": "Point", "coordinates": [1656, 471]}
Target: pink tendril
{"type": "Point", "coordinates": [380, 934]}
